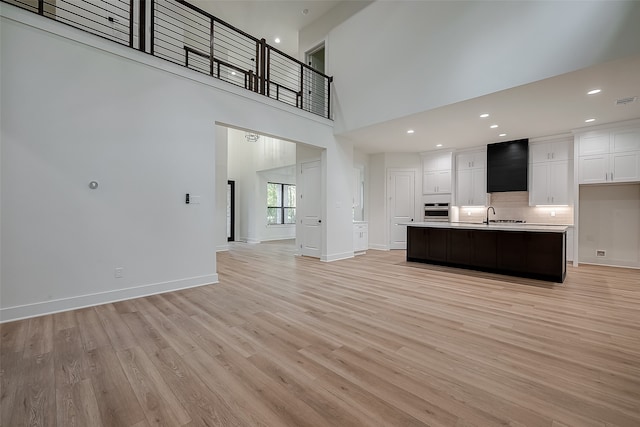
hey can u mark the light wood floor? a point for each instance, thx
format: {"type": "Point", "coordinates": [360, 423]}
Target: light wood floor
{"type": "Point", "coordinates": [370, 341]}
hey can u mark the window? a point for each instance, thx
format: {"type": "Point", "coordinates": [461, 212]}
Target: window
{"type": "Point", "coordinates": [281, 203]}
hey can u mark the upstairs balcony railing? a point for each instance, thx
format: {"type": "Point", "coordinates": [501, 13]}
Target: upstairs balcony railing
{"type": "Point", "coordinates": [180, 32]}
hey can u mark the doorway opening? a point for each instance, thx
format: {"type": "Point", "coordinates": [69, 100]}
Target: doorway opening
{"type": "Point", "coordinates": [314, 85]}
{"type": "Point", "coordinates": [315, 58]}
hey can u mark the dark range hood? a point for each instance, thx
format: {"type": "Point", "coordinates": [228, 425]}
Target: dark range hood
{"type": "Point", "coordinates": [507, 166]}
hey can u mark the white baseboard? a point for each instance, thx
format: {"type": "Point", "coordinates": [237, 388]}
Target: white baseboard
{"type": "Point", "coordinates": [19, 312]}
{"type": "Point", "coordinates": [617, 264]}
{"type": "Point", "coordinates": [336, 257]}
{"type": "Point", "coordinates": [378, 247]}
{"type": "Point", "coordinates": [222, 248]}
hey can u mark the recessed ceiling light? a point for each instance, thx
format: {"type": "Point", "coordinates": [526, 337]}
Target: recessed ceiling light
{"type": "Point", "coordinates": [233, 73]}
{"type": "Point", "coordinates": [438, 145]}
{"type": "Point", "coordinates": [277, 40]}
{"type": "Point", "coordinates": [503, 134]}
{"type": "Point", "coordinates": [594, 91]}
{"type": "Point", "coordinates": [305, 11]}
{"type": "Point", "coordinates": [590, 120]}
{"type": "Point", "coordinates": [484, 115]}
{"type": "Point", "coordinates": [493, 126]}
{"type": "Point", "coordinates": [410, 131]}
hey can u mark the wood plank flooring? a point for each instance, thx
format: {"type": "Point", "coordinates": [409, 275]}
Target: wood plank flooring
{"type": "Point", "coordinates": [370, 341]}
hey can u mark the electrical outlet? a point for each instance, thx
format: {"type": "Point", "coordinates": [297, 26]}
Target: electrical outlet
{"type": "Point", "coordinates": [119, 272]}
{"type": "Point", "coordinates": [601, 253]}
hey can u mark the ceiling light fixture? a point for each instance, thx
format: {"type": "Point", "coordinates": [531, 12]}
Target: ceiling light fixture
{"type": "Point", "coordinates": [410, 131]}
{"type": "Point", "coordinates": [484, 115]}
{"type": "Point", "coordinates": [503, 134]}
{"type": "Point", "coordinates": [594, 91]}
{"type": "Point", "coordinates": [277, 40]}
{"type": "Point", "coordinates": [438, 145]}
{"type": "Point", "coordinates": [590, 120]}
{"type": "Point", "coordinates": [252, 137]}
{"type": "Point", "coordinates": [493, 126]}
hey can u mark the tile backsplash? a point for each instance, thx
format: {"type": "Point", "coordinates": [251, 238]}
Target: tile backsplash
{"type": "Point", "coordinates": [515, 205]}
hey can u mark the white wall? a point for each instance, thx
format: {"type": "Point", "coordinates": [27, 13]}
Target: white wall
{"type": "Point", "coordinates": [377, 195]}
{"type": "Point", "coordinates": [221, 187]}
{"type": "Point", "coordinates": [610, 221]}
{"type": "Point", "coordinates": [78, 108]}
{"type": "Point", "coordinates": [435, 53]}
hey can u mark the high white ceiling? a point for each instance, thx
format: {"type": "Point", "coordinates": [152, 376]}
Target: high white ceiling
{"type": "Point", "coordinates": [544, 108]}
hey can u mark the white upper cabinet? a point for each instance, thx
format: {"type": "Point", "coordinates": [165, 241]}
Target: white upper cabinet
{"type": "Point", "coordinates": [436, 177]}
{"type": "Point", "coordinates": [471, 178]}
{"type": "Point", "coordinates": [436, 182]}
{"type": "Point", "coordinates": [625, 141]}
{"type": "Point", "coordinates": [549, 151]}
{"type": "Point", "coordinates": [471, 160]}
{"type": "Point", "coordinates": [609, 156]}
{"type": "Point", "coordinates": [550, 173]}
{"type": "Point", "coordinates": [594, 144]}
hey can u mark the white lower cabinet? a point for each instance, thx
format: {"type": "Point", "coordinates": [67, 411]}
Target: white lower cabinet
{"type": "Point", "coordinates": [570, 244]}
{"type": "Point", "coordinates": [360, 237]}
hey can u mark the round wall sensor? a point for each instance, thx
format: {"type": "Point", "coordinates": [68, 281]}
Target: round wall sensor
{"type": "Point", "coordinates": [93, 185]}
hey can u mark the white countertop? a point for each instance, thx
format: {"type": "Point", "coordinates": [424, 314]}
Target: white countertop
{"type": "Point", "coordinates": [492, 226]}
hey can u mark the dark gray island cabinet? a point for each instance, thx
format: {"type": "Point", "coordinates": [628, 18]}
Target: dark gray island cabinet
{"type": "Point", "coordinates": [537, 252]}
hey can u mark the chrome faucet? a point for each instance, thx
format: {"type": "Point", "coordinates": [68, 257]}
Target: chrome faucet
{"type": "Point", "coordinates": [494, 212]}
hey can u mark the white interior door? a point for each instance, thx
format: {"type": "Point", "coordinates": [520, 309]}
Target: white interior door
{"type": "Point", "coordinates": [310, 208]}
{"type": "Point", "coordinates": [401, 198]}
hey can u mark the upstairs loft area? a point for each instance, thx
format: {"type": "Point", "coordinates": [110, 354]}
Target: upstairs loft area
{"type": "Point", "coordinates": [179, 32]}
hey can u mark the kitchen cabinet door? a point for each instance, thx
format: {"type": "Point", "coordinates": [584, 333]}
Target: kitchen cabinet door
{"type": "Point", "coordinates": [479, 187]}
{"type": "Point", "coordinates": [471, 187]}
{"type": "Point", "coordinates": [464, 186]}
{"type": "Point", "coordinates": [360, 238]}
{"type": "Point", "coordinates": [437, 244]}
{"type": "Point", "coordinates": [460, 247]}
{"type": "Point", "coordinates": [625, 167]}
{"type": "Point", "coordinates": [471, 160]}
{"type": "Point", "coordinates": [512, 251]}
{"type": "Point", "coordinates": [550, 151]}
{"type": "Point", "coordinates": [558, 183]}
{"type": "Point", "coordinates": [539, 190]}
{"type": "Point", "coordinates": [624, 141]}
{"type": "Point", "coordinates": [436, 182]}
{"type": "Point", "coordinates": [593, 169]}
{"type": "Point", "coordinates": [437, 161]}
{"type": "Point", "coordinates": [417, 243]}
{"type": "Point", "coordinates": [594, 144]}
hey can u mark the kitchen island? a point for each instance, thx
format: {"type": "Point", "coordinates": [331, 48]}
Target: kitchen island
{"type": "Point", "coordinates": [525, 250]}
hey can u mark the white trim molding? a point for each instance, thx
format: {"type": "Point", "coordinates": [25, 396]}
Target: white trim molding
{"type": "Point", "coordinates": [19, 312]}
